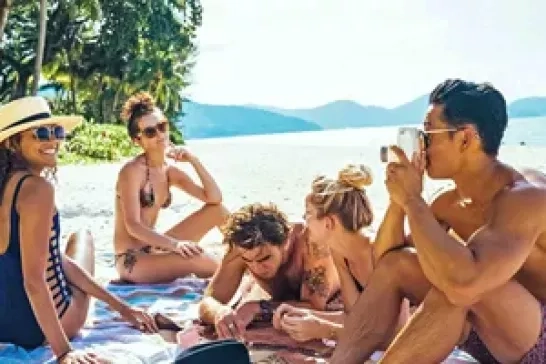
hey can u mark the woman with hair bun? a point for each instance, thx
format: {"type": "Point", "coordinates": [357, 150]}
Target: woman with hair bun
{"type": "Point", "coordinates": [337, 212]}
{"type": "Point", "coordinates": [144, 255]}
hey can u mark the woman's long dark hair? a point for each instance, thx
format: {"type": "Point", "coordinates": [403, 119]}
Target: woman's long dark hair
{"type": "Point", "coordinates": [10, 161]}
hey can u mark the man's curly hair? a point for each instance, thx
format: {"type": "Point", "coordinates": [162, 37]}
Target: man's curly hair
{"type": "Point", "coordinates": [136, 106]}
{"type": "Point", "coordinates": [254, 225]}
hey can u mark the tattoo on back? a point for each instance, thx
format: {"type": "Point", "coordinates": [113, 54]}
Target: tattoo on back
{"type": "Point", "coordinates": [318, 250]}
{"type": "Point", "coordinates": [315, 279]}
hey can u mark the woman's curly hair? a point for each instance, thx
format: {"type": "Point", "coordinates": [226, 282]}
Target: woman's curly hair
{"type": "Point", "coordinates": [135, 107]}
{"type": "Point", "coordinates": [254, 225]}
{"type": "Point", "coordinates": [10, 161]}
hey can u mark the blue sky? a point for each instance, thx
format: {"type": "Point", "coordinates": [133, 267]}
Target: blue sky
{"type": "Point", "coordinates": [303, 53]}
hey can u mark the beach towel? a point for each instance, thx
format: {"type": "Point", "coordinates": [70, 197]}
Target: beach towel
{"type": "Point", "coordinates": [262, 341]}
{"type": "Point", "coordinates": [116, 340]}
{"type": "Point", "coordinates": [268, 345]}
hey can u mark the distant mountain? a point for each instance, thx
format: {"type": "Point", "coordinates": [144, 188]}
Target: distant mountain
{"type": "Point", "coordinates": [339, 114]}
{"type": "Point", "coordinates": [208, 121]}
{"type": "Point", "coordinates": [411, 112]}
{"type": "Point", "coordinates": [527, 107]}
{"type": "Point", "coordinates": [203, 121]}
{"type": "Point", "coordinates": [350, 114]}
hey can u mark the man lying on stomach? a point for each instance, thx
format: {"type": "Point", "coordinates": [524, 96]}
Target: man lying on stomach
{"type": "Point", "coordinates": [276, 254]}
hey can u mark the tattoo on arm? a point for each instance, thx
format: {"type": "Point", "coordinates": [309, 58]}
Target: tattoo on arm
{"type": "Point", "coordinates": [315, 279]}
{"type": "Point", "coordinates": [317, 250]}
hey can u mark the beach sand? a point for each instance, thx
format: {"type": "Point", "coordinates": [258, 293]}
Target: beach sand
{"type": "Point", "coordinates": [277, 168]}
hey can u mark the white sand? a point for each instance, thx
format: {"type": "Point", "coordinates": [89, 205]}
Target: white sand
{"type": "Point", "coordinates": [276, 168]}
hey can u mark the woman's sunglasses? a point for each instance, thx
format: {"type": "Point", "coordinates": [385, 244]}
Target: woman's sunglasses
{"type": "Point", "coordinates": [151, 131]}
{"type": "Point", "coordinates": [46, 133]}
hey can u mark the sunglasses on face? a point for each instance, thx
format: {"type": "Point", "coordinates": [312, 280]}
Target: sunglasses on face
{"type": "Point", "coordinates": [151, 131]}
{"type": "Point", "coordinates": [47, 133]}
{"type": "Point", "coordinates": [425, 134]}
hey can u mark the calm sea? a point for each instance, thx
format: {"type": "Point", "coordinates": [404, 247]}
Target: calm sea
{"type": "Point", "coordinates": [531, 131]}
{"type": "Point", "coordinates": [526, 131]}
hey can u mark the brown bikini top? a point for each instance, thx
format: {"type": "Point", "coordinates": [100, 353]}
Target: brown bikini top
{"type": "Point", "coordinates": [147, 198]}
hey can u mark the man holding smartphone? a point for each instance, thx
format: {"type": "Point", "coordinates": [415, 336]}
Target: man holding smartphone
{"type": "Point", "coordinates": [477, 261]}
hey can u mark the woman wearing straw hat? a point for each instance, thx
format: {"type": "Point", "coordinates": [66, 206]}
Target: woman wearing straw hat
{"type": "Point", "coordinates": [44, 293]}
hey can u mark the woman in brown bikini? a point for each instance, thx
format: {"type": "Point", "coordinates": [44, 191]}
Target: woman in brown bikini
{"type": "Point", "coordinates": [144, 255]}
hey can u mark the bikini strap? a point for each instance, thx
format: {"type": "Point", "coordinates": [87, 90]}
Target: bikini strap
{"type": "Point", "coordinates": [17, 189]}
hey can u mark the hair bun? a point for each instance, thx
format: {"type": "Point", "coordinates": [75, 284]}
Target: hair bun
{"type": "Point", "coordinates": [356, 175]}
{"type": "Point", "coordinates": [137, 105]}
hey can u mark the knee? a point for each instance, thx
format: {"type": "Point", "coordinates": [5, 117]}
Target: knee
{"type": "Point", "coordinates": [398, 264]}
{"type": "Point", "coordinates": [86, 237]}
{"type": "Point", "coordinates": [436, 298]}
{"type": "Point", "coordinates": [82, 238]}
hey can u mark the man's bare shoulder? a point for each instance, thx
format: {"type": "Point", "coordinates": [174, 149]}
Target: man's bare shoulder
{"type": "Point", "coordinates": [523, 196]}
{"type": "Point", "coordinates": [317, 252]}
{"type": "Point", "coordinates": [312, 251]}
{"type": "Point", "coordinates": [534, 176]}
{"type": "Point", "coordinates": [520, 207]}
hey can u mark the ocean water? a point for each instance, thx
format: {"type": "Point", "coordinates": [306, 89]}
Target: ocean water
{"type": "Point", "coordinates": [531, 131]}
{"type": "Point", "coordinates": [525, 131]}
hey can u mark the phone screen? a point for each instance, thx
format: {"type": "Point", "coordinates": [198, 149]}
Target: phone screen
{"type": "Point", "coordinates": [408, 141]}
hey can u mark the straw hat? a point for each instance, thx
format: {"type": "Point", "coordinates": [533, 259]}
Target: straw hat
{"type": "Point", "coordinates": [30, 112]}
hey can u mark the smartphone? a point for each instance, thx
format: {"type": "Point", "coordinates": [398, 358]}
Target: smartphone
{"type": "Point", "coordinates": [408, 139]}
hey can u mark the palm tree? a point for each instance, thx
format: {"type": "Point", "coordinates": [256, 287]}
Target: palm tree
{"type": "Point", "coordinates": [4, 12]}
{"type": "Point", "coordinates": [40, 47]}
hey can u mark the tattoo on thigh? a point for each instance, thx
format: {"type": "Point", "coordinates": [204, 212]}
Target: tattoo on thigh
{"type": "Point", "coordinates": [315, 279]}
{"type": "Point", "coordinates": [318, 250]}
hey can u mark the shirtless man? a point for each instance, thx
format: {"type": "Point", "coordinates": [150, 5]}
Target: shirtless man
{"type": "Point", "coordinates": [479, 264]}
{"type": "Point", "coordinates": [284, 265]}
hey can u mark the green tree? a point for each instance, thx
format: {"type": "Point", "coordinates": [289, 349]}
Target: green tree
{"type": "Point", "coordinates": [40, 47]}
{"type": "Point", "coordinates": [98, 52]}
{"type": "Point", "coordinates": [4, 13]}
{"type": "Point", "coordinates": [18, 56]}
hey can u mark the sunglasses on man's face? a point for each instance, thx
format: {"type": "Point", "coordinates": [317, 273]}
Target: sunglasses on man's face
{"type": "Point", "coordinates": [151, 131]}
{"type": "Point", "coordinates": [425, 134]}
{"type": "Point", "coordinates": [47, 133]}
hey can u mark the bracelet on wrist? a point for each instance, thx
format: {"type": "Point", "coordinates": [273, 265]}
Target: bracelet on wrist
{"type": "Point", "coordinates": [61, 357]}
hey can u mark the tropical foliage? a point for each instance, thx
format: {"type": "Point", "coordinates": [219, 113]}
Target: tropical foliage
{"type": "Point", "coordinates": [97, 143]}
{"type": "Point", "coordinates": [98, 52]}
